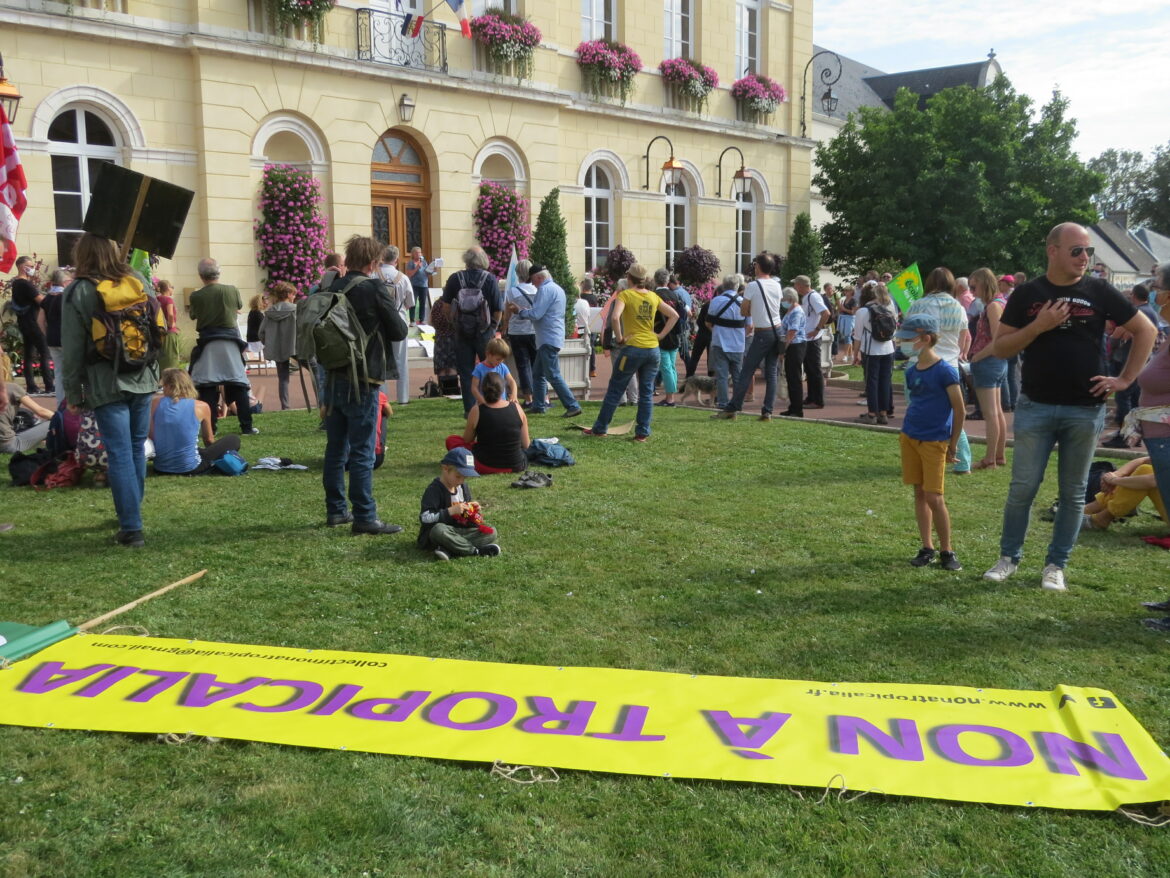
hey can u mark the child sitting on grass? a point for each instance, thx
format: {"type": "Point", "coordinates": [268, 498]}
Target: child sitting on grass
{"type": "Point", "coordinates": [496, 352]}
{"type": "Point", "coordinates": [930, 435]}
{"type": "Point", "coordinates": [448, 512]}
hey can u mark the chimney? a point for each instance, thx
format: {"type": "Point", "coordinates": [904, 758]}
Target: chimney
{"type": "Point", "coordinates": [1121, 217]}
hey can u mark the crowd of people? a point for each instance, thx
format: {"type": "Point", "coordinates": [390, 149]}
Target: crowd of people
{"type": "Point", "coordinates": [958, 344]}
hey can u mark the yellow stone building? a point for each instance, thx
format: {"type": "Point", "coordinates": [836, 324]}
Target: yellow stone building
{"type": "Point", "coordinates": [401, 130]}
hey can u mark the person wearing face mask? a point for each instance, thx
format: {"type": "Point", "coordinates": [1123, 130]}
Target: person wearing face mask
{"type": "Point", "coordinates": [1059, 319]}
{"type": "Point", "coordinates": [930, 435]}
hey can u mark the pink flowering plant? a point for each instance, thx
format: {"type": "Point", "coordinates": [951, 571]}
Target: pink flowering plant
{"type": "Point", "coordinates": [292, 234]}
{"type": "Point", "coordinates": [759, 93]}
{"type": "Point", "coordinates": [696, 266]}
{"type": "Point", "coordinates": [509, 40]}
{"type": "Point", "coordinates": [691, 78]}
{"type": "Point", "coordinates": [502, 221]}
{"type": "Point", "coordinates": [606, 65]}
{"type": "Point", "coordinates": [298, 12]}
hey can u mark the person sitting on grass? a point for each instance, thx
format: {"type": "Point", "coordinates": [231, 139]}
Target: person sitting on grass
{"type": "Point", "coordinates": [1121, 492]}
{"type": "Point", "coordinates": [446, 506]}
{"type": "Point", "coordinates": [495, 353]}
{"type": "Point", "coordinates": [12, 440]}
{"type": "Point", "coordinates": [930, 435]}
{"type": "Point", "coordinates": [177, 419]}
{"type": "Point", "coordinates": [497, 431]}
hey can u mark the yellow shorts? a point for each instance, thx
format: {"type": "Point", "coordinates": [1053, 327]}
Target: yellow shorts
{"type": "Point", "coordinates": [923, 463]}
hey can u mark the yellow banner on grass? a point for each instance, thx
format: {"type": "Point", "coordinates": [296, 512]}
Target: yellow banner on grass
{"type": "Point", "coordinates": [1069, 748]}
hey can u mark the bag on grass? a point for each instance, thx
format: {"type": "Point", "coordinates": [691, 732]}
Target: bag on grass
{"type": "Point", "coordinates": [546, 453]}
{"type": "Point", "coordinates": [90, 452]}
{"type": "Point", "coordinates": [231, 464]}
{"type": "Point", "coordinates": [23, 467]}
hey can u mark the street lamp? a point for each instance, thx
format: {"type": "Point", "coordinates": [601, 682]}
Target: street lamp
{"type": "Point", "coordinates": [9, 94]}
{"type": "Point", "coordinates": [405, 109]}
{"type": "Point", "coordinates": [740, 181]}
{"type": "Point", "coordinates": [827, 76]}
{"type": "Point", "coordinates": [672, 169]}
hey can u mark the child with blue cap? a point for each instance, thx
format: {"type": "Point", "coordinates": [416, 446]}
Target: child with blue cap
{"type": "Point", "coordinates": [448, 518]}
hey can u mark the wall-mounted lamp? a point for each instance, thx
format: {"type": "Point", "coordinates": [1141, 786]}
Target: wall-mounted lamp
{"type": "Point", "coordinates": [9, 95]}
{"type": "Point", "coordinates": [405, 109]}
{"type": "Point", "coordinates": [740, 181]}
{"type": "Point", "coordinates": [672, 169]}
{"type": "Point", "coordinates": [828, 77]}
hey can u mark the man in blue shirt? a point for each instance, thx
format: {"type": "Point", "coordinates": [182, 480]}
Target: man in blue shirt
{"type": "Point", "coordinates": [548, 318]}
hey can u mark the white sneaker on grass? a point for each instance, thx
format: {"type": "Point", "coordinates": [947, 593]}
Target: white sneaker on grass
{"type": "Point", "coordinates": [1052, 578]}
{"type": "Point", "coordinates": [1003, 568]}
{"type": "Point", "coordinates": [440, 555]}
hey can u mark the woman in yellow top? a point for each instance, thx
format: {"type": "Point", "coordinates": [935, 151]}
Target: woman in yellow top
{"type": "Point", "coordinates": [632, 316]}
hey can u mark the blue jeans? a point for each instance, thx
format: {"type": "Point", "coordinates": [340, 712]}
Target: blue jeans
{"type": "Point", "coordinates": [1010, 389]}
{"type": "Point", "coordinates": [766, 347]}
{"type": "Point", "coordinates": [1159, 451]}
{"type": "Point", "coordinates": [125, 425]}
{"type": "Point", "coordinates": [548, 368]}
{"type": "Point", "coordinates": [879, 387]}
{"type": "Point", "coordinates": [1038, 427]}
{"type": "Point", "coordinates": [627, 362]}
{"type": "Point", "coordinates": [350, 430]}
{"type": "Point", "coordinates": [726, 365]}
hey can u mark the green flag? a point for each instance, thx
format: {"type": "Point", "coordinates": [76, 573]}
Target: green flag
{"type": "Point", "coordinates": [140, 262]}
{"type": "Point", "coordinates": [906, 288]}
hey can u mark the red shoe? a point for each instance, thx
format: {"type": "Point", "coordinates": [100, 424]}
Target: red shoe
{"type": "Point", "coordinates": [588, 431]}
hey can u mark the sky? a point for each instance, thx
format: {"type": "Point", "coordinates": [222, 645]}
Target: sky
{"type": "Point", "coordinates": [1108, 59]}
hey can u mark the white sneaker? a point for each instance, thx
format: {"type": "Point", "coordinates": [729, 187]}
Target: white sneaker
{"type": "Point", "coordinates": [440, 555]}
{"type": "Point", "coordinates": [1003, 568]}
{"type": "Point", "coordinates": [1052, 578]}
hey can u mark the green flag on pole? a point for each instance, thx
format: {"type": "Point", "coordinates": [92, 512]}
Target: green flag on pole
{"type": "Point", "coordinates": [906, 288]}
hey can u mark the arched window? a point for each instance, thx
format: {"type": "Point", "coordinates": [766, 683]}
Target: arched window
{"type": "Point", "coordinates": [400, 193]}
{"type": "Point", "coordinates": [80, 142]}
{"type": "Point", "coordinates": [598, 193]}
{"type": "Point", "coordinates": [746, 224]}
{"type": "Point", "coordinates": [678, 210]}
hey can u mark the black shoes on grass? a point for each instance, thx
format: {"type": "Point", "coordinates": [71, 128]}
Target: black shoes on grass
{"type": "Point", "coordinates": [946, 560]}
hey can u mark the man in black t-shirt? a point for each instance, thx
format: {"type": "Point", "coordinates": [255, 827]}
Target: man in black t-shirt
{"type": "Point", "coordinates": [1059, 319]}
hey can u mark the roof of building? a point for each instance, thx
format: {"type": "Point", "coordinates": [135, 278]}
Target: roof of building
{"type": "Point", "coordinates": [863, 86]}
{"type": "Point", "coordinates": [1158, 245]}
{"type": "Point", "coordinates": [1135, 257]}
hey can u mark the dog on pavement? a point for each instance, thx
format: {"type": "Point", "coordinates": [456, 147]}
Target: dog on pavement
{"type": "Point", "coordinates": [696, 386]}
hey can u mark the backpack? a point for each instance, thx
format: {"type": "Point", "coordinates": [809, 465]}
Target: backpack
{"type": "Point", "coordinates": [882, 323]}
{"type": "Point", "coordinates": [472, 317]}
{"type": "Point", "coordinates": [328, 329]}
{"type": "Point", "coordinates": [128, 326]}
{"type": "Point", "coordinates": [671, 340]}
{"type": "Point", "coordinates": [62, 431]}
{"type": "Point", "coordinates": [22, 467]}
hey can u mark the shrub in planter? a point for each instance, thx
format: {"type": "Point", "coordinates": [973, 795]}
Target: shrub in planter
{"type": "Point", "coordinates": [758, 93]}
{"type": "Point", "coordinates": [606, 65]}
{"type": "Point", "coordinates": [510, 41]}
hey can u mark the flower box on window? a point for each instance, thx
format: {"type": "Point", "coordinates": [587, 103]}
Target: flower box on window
{"type": "Point", "coordinates": [757, 97]}
{"type": "Point", "coordinates": [608, 68]}
{"type": "Point", "coordinates": [507, 42]}
{"type": "Point", "coordinates": [688, 83]}
{"type": "Point", "coordinates": [307, 14]}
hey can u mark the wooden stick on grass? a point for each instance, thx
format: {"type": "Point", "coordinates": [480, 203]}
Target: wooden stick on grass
{"type": "Point", "coordinates": [93, 623]}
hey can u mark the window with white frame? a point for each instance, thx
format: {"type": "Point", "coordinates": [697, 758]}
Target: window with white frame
{"type": "Point", "coordinates": [479, 7]}
{"type": "Point", "coordinates": [678, 22]}
{"type": "Point", "coordinates": [80, 142]}
{"type": "Point", "coordinates": [597, 20]}
{"type": "Point", "coordinates": [745, 230]}
{"type": "Point", "coordinates": [747, 37]}
{"type": "Point", "coordinates": [678, 210]}
{"type": "Point", "coordinates": [598, 193]}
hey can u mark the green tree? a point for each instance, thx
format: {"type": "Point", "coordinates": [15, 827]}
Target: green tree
{"type": "Point", "coordinates": [1124, 173]}
{"type": "Point", "coordinates": [973, 179]}
{"type": "Point", "coordinates": [804, 251]}
{"type": "Point", "coordinates": [1152, 206]}
{"type": "Point", "coordinates": [550, 249]}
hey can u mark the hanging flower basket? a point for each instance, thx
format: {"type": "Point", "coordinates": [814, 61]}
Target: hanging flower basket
{"type": "Point", "coordinates": [293, 234]}
{"type": "Point", "coordinates": [691, 81]}
{"type": "Point", "coordinates": [295, 13]}
{"type": "Point", "coordinates": [509, 42]}
{"type": "Point", "coordinates": [501, 219]}
{"type": "Point", "coordinates": [758, 95]}
{"type": "Point", "coordinates": [608, 68]}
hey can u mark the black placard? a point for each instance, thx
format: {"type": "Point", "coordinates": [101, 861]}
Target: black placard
{"type": "Point", "coordinates": [160, 222]}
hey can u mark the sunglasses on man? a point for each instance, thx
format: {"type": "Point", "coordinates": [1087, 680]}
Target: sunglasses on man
{"type": "Point", "coordinates": [1077, 251]}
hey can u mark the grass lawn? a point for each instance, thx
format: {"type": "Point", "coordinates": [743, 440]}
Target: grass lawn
{"type": "Point", "coordinates": [742, 548]}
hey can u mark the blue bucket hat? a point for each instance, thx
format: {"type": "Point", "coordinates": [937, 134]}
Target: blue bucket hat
{"type": "Point", "coordinates": [915, 324]}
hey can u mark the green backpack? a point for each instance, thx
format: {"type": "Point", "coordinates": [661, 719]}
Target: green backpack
{"type": "Point", "coordinates": [329, 329]}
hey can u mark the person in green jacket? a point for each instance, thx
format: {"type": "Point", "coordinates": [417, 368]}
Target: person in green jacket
{"type": "Point", "coordinates": [120, 400]}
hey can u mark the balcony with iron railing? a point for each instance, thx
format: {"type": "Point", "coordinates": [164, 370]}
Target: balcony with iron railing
{"type": "Point", "coordinates": [380, 39]}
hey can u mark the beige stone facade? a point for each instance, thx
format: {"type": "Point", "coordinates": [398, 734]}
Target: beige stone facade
{"type": "Point", "coordinates": [202, 94]}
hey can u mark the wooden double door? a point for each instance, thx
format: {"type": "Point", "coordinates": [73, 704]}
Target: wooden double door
{"type": "Point", "coordinates": [400, 194]}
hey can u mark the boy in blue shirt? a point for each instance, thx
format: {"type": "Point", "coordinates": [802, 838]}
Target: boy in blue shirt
{"type": "Point", "coordinates": [495, 353]}
{"type": "Point", "coordinates": [930, 435]}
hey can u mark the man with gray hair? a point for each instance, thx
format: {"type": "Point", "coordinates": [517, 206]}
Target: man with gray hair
{"type": "Point", "coordinates": [816, 315]}
{"type": "Point", "coordinates": [548, 318]}
{"type": "Point", "coordinates": [218, 356]}
{"type": "Point", "coordinates": [470, 347]}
